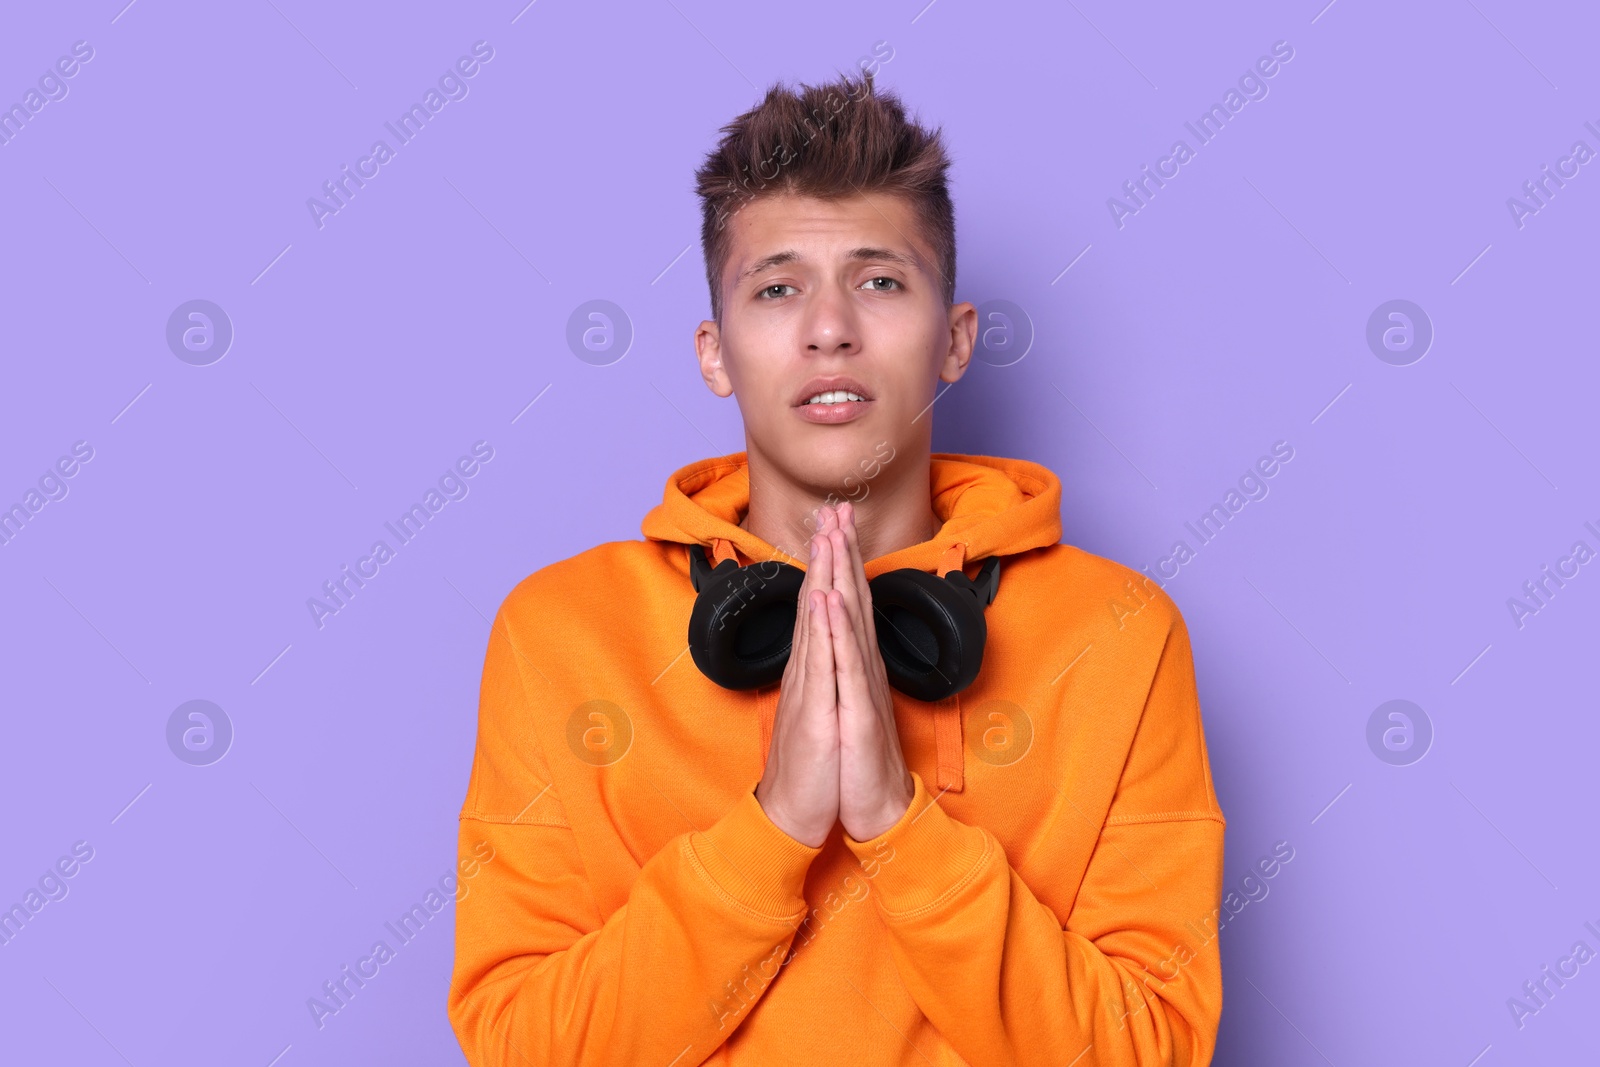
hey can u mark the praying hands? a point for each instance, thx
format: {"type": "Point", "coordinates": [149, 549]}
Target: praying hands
{"type": "Point", "coordinates": [835, 752]}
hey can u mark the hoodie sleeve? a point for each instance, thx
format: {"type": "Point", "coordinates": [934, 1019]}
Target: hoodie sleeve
{"type": "Point", "coordinates": [1133, 973]}
{"type": "Point", "coordinates": [540, 976]}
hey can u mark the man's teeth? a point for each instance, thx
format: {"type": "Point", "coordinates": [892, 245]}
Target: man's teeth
{"type": "Point", "coordinates": [837, 396]}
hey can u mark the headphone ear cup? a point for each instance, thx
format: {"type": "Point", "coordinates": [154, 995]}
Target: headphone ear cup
{"type": "Point", "coordinates": [930, 633]}
{"type": "Point", "coordinates": [742, 625]}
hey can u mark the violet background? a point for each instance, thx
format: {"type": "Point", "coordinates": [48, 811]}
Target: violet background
{"type": "Point", "coordinates": [1226, 315]}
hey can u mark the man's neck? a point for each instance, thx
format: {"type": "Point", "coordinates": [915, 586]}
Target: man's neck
{"type": "Point", "coordinates": [893, 510]}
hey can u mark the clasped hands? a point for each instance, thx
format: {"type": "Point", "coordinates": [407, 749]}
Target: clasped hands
{"type": "Point", "coordinates": [835, 751]}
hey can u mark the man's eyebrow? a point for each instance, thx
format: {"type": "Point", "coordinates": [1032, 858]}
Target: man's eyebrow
{"type": "Point", "coordinates": [778, 259]}
{"type": "Point", "coordinates": [887, 254]}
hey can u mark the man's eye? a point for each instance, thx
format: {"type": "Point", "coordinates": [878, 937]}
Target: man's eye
{"type": "Point", "coordinates": [767, 292]}
{"type": "Point", "coordinates": [891, 281]}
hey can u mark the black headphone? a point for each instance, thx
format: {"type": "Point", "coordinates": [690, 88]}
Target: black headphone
{"type": "Point", "coordinates": [931, 631]}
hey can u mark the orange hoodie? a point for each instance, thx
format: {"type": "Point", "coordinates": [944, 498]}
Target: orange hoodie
{"type": "Point", "coordinates": [1050, 897]}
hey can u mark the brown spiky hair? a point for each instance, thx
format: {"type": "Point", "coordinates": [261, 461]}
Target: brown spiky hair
{"type": "Point", "coordinates": [828, 141]}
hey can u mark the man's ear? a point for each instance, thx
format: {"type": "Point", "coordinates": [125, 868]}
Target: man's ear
{"type": "Point", "coordinates": [963, 334]}
{"type": "Point", "coordinates": [708, 346]}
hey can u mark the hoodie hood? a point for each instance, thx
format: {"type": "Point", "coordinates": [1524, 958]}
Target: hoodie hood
{"type": "Point", "coordinates": [990, 506]}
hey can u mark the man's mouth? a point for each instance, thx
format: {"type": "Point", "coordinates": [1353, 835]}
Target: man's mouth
{"type": "Point", "coordinates": [832, 389]}
{"type": "Point", "coordinates": [836, 396]}
{"type": "Point", "coordinates": [832, 400]}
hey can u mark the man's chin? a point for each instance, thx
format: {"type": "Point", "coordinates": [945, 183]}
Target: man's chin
{"type": "Point", "coordinates": [835, 463]}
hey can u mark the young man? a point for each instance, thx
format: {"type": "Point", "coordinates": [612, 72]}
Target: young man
{"type": "Point", "coordinates": [801, 862]}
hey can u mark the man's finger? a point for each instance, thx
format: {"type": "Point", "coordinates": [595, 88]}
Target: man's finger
{"type": "Point", "coordinates": [849, 667]}
{"type": "Point", "coordinates": [819, 680]}
{"type": "Point", "coordinates": [848, 588]}
{"type": "Point", "coordinates": [862, 610]}
{"type": "Point", "coordinates": [797, 647]}
{"type": "Point", "coordinates": [801, 636]}
{"type": "Point", "coordinates": [822, 564]}
{"type": "Point", "coordinates": [846, 576]}
{"type": "Point", "coordinates": [820, 685]}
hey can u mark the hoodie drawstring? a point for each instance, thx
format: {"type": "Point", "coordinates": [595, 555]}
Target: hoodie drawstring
{"type": "Point", "coordinates": [951, 753]}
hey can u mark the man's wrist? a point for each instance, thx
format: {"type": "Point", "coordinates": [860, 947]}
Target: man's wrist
{"type": "Point", "coordinates": [894, 810]}
{"type": "Point", "coordinates": [776, 816]}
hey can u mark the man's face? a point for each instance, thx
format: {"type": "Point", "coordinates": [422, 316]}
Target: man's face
{"type": "Point", "coordinates": [825, 296]}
